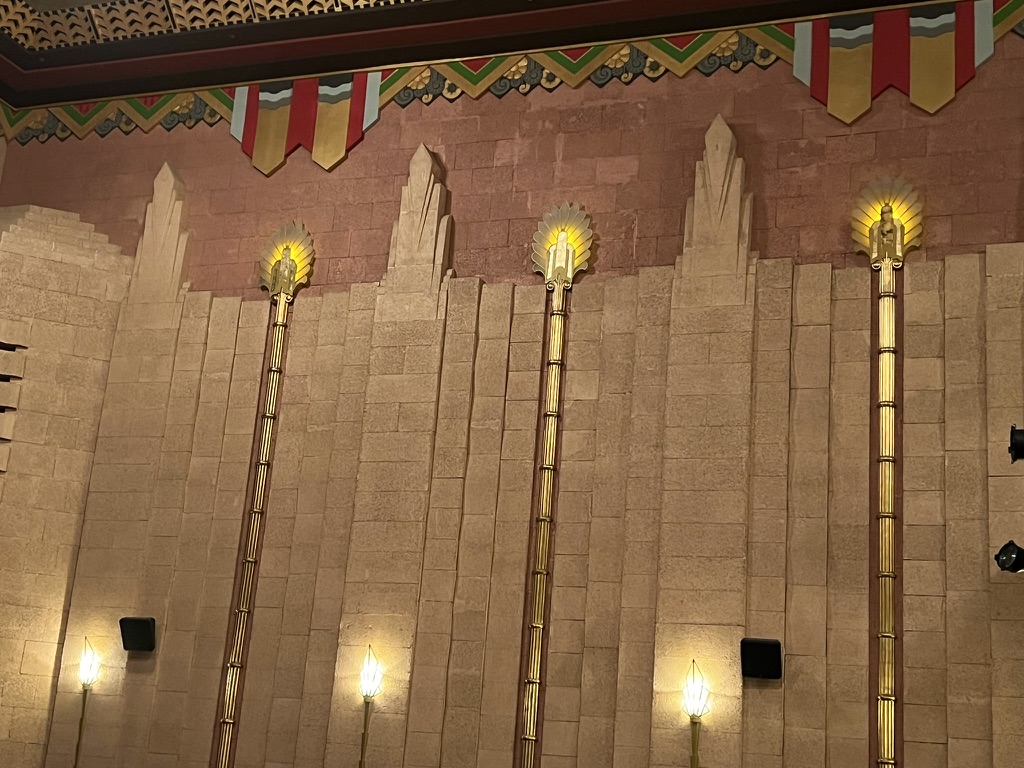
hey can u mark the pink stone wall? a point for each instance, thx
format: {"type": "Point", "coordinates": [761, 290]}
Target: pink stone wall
{"type": "Point", "coordinates": [626, 153]}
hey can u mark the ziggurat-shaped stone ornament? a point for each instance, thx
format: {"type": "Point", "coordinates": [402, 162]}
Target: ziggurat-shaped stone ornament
{"type": "Point", "coordinates": [420, 256]}
{"type": "Point", "coordinates": [160, 263]}
{"type": "Point", "coordinates": [716, 253]}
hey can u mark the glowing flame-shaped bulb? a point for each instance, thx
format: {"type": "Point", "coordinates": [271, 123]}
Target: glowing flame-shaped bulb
{"type": "Point", "coordinates": [371, 679]}
{"type": "Point", "coordinates": [696, 696]}
{"type": "Point", "coordinates": [561, 254]}
{"type": "Point", "coordinates": [89, 667]}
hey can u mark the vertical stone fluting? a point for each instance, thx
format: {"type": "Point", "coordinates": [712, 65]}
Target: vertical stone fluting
{"type": "Point", "coordinates": [805, 530]}
{"type": "Point", "coordinates": [925, 603]}
{"type": "Point", "coordinates": [647, 421]}
{"type": "Point", "coordinates": [1004, 376]}
{"type": "Point", "coordinates": [515, 319]}
{"type": "Point", "coordinates": [766, 590]}
{"type": "Point", "coordinates": [966, 684]}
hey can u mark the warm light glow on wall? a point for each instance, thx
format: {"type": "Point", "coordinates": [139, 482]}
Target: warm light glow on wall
{"type": "Point", "coordinates": [696, 696]}
{"type": "Point", "coordinates": [906, 207]}
{"type": "Point", "coordinates": [371, 679]}
{"type": "Point", "coordinates": [89, 667]}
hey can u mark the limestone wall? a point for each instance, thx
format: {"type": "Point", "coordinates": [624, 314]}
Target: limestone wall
{"type": "Point", "coordinates": [714, 483]}
{"type": "Point", "coordinates": [62, 286]}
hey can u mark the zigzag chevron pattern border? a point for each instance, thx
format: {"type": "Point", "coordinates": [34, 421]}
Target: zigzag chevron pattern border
{"type": "Point", "coordinates": [498, 76]}
{"type": "Point", "coordinates": [598, 65]}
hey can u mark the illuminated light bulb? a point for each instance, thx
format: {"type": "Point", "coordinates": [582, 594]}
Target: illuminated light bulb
{"type": "Point", "coordinates": [696, 696]}
{"type": "Point", "coordinates": [89, 668]}
{"type": "Point", "coordinates": [561, 253]}
{"type": "Point", "coordinates": [371, 679]}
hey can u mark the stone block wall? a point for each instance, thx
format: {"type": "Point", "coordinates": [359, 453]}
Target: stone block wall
{"type": "Point", "coordinates": [63, 285]}
{"type": "Point", "coordinates": [714, 483]}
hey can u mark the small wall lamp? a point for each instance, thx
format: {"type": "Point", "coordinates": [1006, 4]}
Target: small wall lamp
{"type": "Point", "coordinates": [88, 674]}
{"type": "Point", "coordinates": [371, 683]}
{"type": "Point", "coordinates": [696, 704]}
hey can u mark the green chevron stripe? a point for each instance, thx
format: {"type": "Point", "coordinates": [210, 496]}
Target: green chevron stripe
{"type": "Point", "coordinates": [14, 117]}
{"type": "Point", "coordinates": [1012, 7]}
{"type": "Point", "coordinates": [477, 77]}
{"type": "Point", "coordinates": [682, 54]}
{"type": "Point", "coordinates": [579, 64]}
{"type": "Point", "coordinates": [148, 112]}
{"type": "Point", "coordinates": [222, 96]}
{"type": "Point", "coordinates": [778, 36]}
{"type": "Point", "coordinates": [77, 116]}
{"type": "Point", "coordinates": [393, 78]}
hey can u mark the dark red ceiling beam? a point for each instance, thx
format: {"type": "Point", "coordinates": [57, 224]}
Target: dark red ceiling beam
{"type": "Point", "coordinates": [362, 40]}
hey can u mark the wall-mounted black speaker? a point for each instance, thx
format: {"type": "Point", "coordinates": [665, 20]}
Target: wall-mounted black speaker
{"type": "Point", "coordinates": [761, 659]}
{"type": "Point", "coordinates": [138, 633]}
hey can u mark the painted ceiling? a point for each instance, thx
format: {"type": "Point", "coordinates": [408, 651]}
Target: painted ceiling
{"type": "Point", "coordinates": [66, 51]}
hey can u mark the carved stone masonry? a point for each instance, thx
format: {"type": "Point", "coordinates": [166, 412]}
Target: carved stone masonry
{"type": "Point", "coordinates": [160, 261]}
{"type": "Point", "coordinates": [716, 247]}
{"type": "Point", "coordinates": [418, 264]}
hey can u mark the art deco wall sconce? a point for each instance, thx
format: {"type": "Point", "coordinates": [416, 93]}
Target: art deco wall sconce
{"type": "Point", "coordinates": [371, 683]}
{"type": "Point", "coordinates": [88, 674]}
{"type": "Point", "coordinates": [696, 704]}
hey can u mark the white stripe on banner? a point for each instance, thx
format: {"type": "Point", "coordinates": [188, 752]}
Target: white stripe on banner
{"type": "Point", "coordinates": [984, 32]}
{"type": "Point", "coordinates": [921, 22]}
{"type": "Point", "coordinates": [272, 97]}
{"type": "Point", "coordinates": [337, 90]}
{"type": "Point", "coordinates": [802, 40]}
{"type": "Point", "coordinates": [850, 34]}
{"type": "Point", "coordinates": [371, 112]}
{"type": "Point", "coordinates": [238, 111]}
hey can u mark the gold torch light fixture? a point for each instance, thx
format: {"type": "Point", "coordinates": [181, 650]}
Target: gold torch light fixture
{"type": "Point", "coordinates": [89, 667]}
{"type": "Point", "coordinates": [88, 674]}
{"type": "Point", "coordinates": [561, 250]}
{"type": "Point", "coordinates": [371, 683]}
{"type": "Point", "coordinates": [696, 704]}
{"type": "Point", "coordinates": [887, 223]}
{"type": "Point", "coordinates": [285, 266]}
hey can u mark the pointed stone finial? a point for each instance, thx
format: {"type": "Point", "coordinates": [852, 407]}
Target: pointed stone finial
{"type": "Point", "coordinates": [420, 254]}
{"type": "Point", "coordinates": [160, 259]}
{"type": "Point", "coordinates": [717, 239]}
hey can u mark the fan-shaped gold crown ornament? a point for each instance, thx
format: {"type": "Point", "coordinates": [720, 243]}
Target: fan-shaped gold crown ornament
{"type": "Point", "coordinates": [561, 246]}
{"type": "Point", "coordinates": [287, 261]}
{"type": "Point", "coordinates": [887, 220]}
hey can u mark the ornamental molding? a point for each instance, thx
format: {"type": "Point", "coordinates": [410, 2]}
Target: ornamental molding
{"type": "Point", "coordinates": [35, 27]}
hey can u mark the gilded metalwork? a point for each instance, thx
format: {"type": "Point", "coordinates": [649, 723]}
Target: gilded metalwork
{"type": "Point", "coordinates": [37, 26]}
{"type": "Point", "coordinates": [284, 267]}
{"type": "Point", "coordinates": [288, 261]}
{"type": "Point", "coordinates": [561, 248]}
{"type": "Point", "coordinates": [887, 223]}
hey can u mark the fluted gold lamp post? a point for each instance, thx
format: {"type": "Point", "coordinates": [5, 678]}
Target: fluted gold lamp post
{"type": "Point", "coordinates": [561, 249]}
{"type": "Point", "coordinates": [371, 683]}
{"type": "Point", "coordinates": [887, 223]}
{"type": "Point", "coordinates": [696, 704]}
{"type": "Point", "coordinates": [88, 674]}
{"type": "Point", "coordinates": [285, 266]}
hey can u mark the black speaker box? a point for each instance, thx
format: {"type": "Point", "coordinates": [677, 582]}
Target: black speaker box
{"type": "Point", "coordinates": [761, 659]}
{"type": "Point", "coordinates": [138, 633]}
